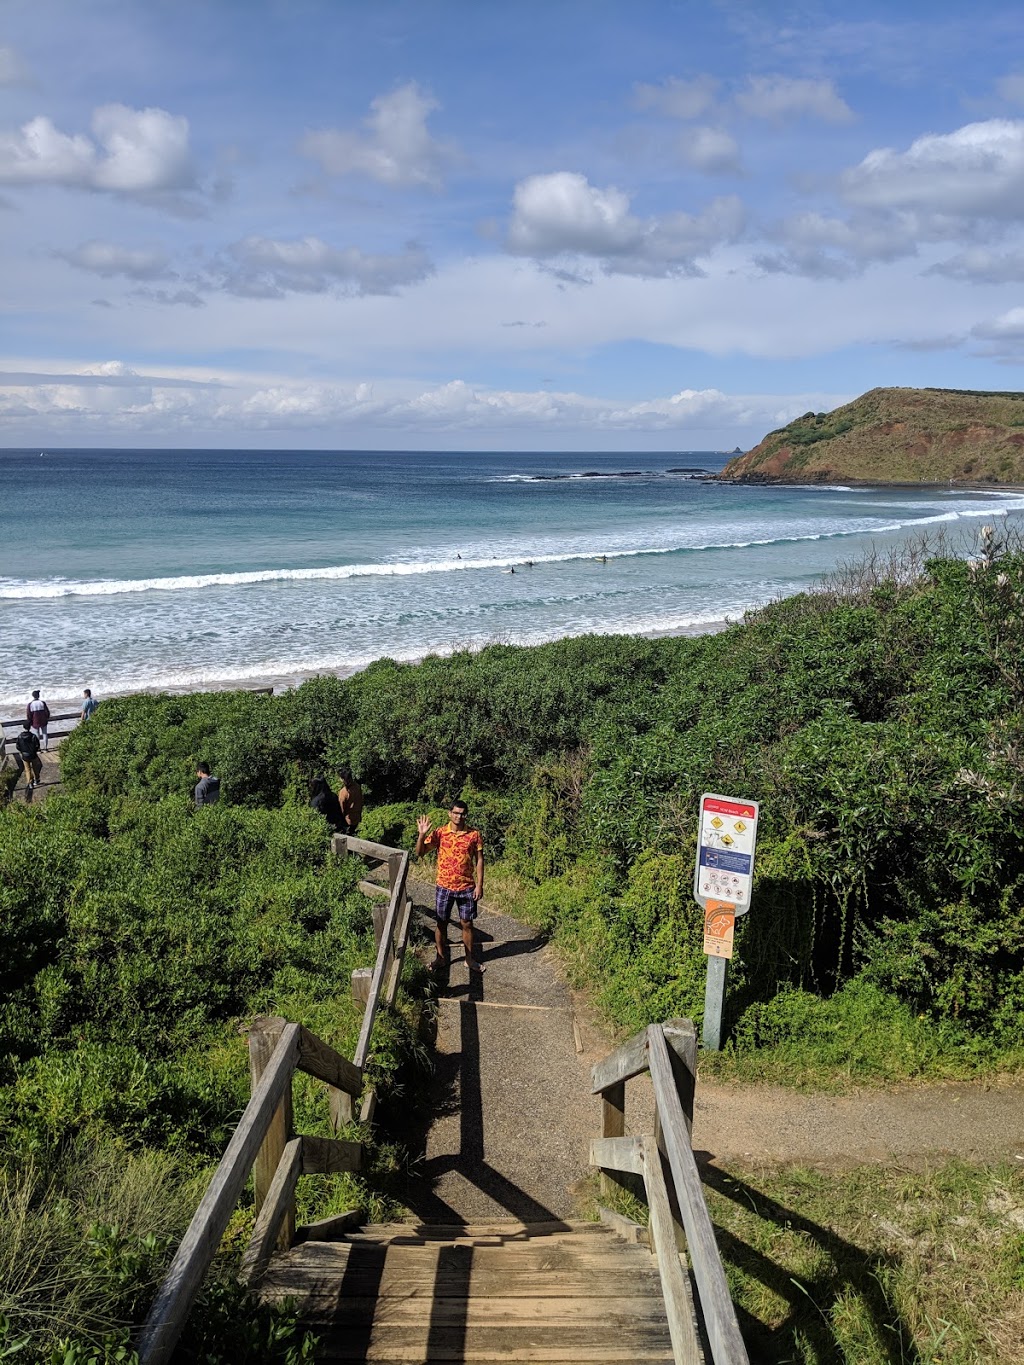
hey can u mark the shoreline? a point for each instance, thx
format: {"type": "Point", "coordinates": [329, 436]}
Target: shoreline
{"type": "Point", "coordinates": [282, 682]}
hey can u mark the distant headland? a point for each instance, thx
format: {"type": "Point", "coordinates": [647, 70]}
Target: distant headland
{"type": "Point", "coordinates": [906, 436]}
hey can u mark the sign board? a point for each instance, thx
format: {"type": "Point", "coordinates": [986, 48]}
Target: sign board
{"type": "Point", "coordinates": [725, 852]}
{"type": "Point", "coordinates": [719, 923]}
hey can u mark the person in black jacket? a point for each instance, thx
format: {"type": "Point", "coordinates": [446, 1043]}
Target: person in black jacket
{"type": "Point", "coordinates": [27, 746]}
{"type": "Point", "coordinates": [322, 799]}
{"type": "Point", "coordinates": [207, 790]}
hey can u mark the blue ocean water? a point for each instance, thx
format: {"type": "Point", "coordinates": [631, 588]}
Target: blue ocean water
{"type": "Point", "coordinates": [131, 569]}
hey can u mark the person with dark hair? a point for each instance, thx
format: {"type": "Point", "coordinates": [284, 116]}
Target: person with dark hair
{"type": "Point", "coordinates": [460, 878]}
{"type": "Point", "coordinates": [89, 705]}
{"type": "Point", "coordinates": [350, 798]}
{"type": "Point", "coordinates": [207, 792]}
{"type": "Point", "coordinates": [323, 800]}
{"type": "Point", "coordinates": [37, 713]}
{"type": "Point", "coordinates": [27, 745]}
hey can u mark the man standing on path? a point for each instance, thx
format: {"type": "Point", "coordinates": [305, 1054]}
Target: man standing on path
{"type": "Point", "coordinates": [207, 792]}
{"type": "Point", "coordinates": [89, 705]}
{"type": "Point", "coordinates": [460, 878]}
{"type": "Point", "coordinates": [37, 713]}
{"type": "Point", "coordinates": [27, 745]}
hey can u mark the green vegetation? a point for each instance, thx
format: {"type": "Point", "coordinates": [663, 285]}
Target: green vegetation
{"type": "Point", "coordinates": [879, 721]}
{"type": "Point", "coordinates": [897, 435]}
{"type": "Point", "coordinates": [139, 937]}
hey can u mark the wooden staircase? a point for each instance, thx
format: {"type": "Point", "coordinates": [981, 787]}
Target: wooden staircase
{"type": "Point", "coordinates": [417, 1294]}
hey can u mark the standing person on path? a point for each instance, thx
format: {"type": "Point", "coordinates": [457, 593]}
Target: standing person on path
{"type": "Point", "coordinates": [460, 878]}
{"type": "Point", "coordinates": [27, 745]}
{"type": "Point", "coordinates": [89, 705]}
{"type": "Point", "coordinates": [37, 713]}
{"type": "Point", "coordinates": [350, 798]}
{"type": "Point", "coordinates": [207, 792]}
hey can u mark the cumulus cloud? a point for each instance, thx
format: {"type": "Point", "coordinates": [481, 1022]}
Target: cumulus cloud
{"type": "Point", "coordinates": [824, 247]}
{"type": "Point", "coordinates": [711, 150]}
{"type": "Point", "coordinates": [113, 397]}
{"type": "Point", "coordinates": [396, 149]}
{"type": "Point", "coordinates": [1007, 327]}
{"type": "Point", "coordinates": [983, 265]}
{"type": "Point", "coordinates": [783, 97]}
{"type": "Point", "coordinates": [137, 152]}
{"type": "Point", "coordinates": [265, 268]}
{"type": "Point", "coordinates": [683, 99]}
{"type": "Point", "coordinates": [562, 214]}
{"type": "Point", "coordinates": [109, 260]}
{"type": "Point", "coordinates": [976, 171]}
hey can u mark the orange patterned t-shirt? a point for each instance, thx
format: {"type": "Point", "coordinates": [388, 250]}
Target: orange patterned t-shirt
{"type": "Point", "coordinates": [456, 852]}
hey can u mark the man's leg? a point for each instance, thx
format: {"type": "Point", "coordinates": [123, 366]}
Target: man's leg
{"type": "Point", "coordinates": [467, 940]}
{"type": "Point", "coordinates": [442, 909]}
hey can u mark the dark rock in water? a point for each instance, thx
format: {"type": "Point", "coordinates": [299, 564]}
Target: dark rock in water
{"type": "Point", "coordinates": [693, 472]}
{"type": "Point", "coordinates": [614, 474]}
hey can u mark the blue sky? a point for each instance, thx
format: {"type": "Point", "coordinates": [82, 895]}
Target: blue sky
{"type": "Point", "coordinates": [468, 225]}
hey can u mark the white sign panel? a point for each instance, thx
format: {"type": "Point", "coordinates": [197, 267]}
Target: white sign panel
{"type": "Point", "coordinates": [725, 851]}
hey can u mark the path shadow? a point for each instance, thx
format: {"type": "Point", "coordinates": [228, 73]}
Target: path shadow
{"type": "Point", "coordinates": [810, 1300]}
{"type": "Point", "coordinates": [459, 1083]}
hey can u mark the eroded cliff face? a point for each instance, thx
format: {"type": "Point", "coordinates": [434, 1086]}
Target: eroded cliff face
{"type": "Point", "coordinates": [896, 436]}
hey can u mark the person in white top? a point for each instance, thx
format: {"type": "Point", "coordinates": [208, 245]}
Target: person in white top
{"type": "Point", "coordinates": [37, 713]}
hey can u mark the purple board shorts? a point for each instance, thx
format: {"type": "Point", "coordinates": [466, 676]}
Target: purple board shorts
{"type": "Point", "coordinates": [463, 901]}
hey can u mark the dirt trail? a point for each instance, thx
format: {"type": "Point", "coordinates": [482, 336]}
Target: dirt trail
{"type": "Point", "coordinates": [514, 1114]}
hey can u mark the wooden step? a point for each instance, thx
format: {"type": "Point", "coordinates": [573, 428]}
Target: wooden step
{"type": "Point", "coordinates": [535, 1343]}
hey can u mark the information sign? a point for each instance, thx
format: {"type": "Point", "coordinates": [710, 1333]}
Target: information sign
{"type": "Point", "coordinates": [725, 851]}
{"type": "Point", "coordinates": [719, 924]}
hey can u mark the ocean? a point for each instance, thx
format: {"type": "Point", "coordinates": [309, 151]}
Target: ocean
{"type": "Point", "coordinates": [129, 569]}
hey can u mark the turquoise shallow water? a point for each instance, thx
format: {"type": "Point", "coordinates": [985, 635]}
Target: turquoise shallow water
{"type": "Point", "coordinates": [131, 569]}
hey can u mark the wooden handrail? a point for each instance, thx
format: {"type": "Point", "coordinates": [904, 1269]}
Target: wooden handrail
{"type": "Point", "coordinates": [263, 1139]}
{"type": "Point", "coordinates": [669, 1052]}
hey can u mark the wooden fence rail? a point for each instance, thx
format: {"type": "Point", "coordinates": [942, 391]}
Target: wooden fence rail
{"type": "Point", "coordinates": [677, 1208]}
{"type": "Point", "coordinates": [264, 1141]}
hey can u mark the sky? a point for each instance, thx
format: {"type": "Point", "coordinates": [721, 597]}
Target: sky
{"type": "Point", "coordinates": [455, 224]}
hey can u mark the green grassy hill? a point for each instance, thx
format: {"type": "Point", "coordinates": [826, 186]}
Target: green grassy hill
{"type": "Point", "coordinates": [896, 436]}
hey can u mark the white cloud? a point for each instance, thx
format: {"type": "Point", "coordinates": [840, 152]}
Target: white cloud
{"type": "Point", "coordinates": [823, 247]}
{"type": "Point", "coordinates": [976, 171]}
{"type": "Point", "coordinates": [684, 99]}
{"type": "Point", "coordinates": [114, 397]}
{"type": "Point", "coordinates": [982, 265]}
{"type": "Point", "coordinates": [138, 152]}
{"type": "Point", "coordinates": [262, 267]}
{"type": "Point", "coordinates": [562, 214]}
{"type": "Point", "coordinates": [397, 149]}
{"type": "Point", "coordinates": [711, 150]}
{"type": "Point", "coordinates": [109, 260]}
{"type": "Point", "coordinates": [1008, 327]}
{"type": "Point", "coordinates": [783, 97]}
{"type": "Point", "coordinates": [13, 70]}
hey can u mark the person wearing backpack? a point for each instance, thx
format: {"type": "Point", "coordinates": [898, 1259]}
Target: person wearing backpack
{"type": "Point", "coordinates": [27, 746]}
{"type": "Point", "coordinates": [37, 713]}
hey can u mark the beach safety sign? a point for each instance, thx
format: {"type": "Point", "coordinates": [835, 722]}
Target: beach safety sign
{"type": "Point", "coordinates": [725, 851]}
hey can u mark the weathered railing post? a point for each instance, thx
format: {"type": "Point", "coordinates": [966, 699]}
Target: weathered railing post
{"type": "Point", "coordinates": [263, 1038]}
{"type": "Point", "coordinates": [613, 1125]}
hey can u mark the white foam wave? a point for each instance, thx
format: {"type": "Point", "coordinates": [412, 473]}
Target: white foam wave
{"type": "Point", "coordinates": [55, 588]}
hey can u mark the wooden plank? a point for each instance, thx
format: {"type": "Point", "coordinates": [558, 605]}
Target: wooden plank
{"type": "Point", "coordinates": [626, 1061]}
{"type": "Point", "coordinates": [595, 1285]}
{"type": "Point", "coordinates": [324, 1229]}
{"type": "Point", "coordinates": [674, 1283]}
{"type": "Point", "coordinates": [374, 889]}
{"type": "Point", "coordinates": [368, 849]}
{"type": "Point", "coordinates": [624, 1227]}
{"type": "Point", "coordinates": [681, 1037]}
{"type": "Point", "coordinates": [646, 1341]}
{"type": "Point", "coordinates": [263, 1039]}
{"type": "Point", "coordinates": [618, 1154]}
{"type": "Point", "coordinates": [330, 1156]}
{"type": "Point", "coordinates": [317, 1059]}
{"type": "Point", "coordinates": [401, 942]}
{"type": "Point", "coordinates": [613, 1125]}
{"type": "Point", "coordinates": [705, 1259]}
{"type": "Point", "coordinates": [280, 1201]}
{"type": "Point", "coordinates": [383, 953]}
{"type": "Point", "coordinates": [361, 979]}
{"type": "Point", "coordinates": [198, 1247]}
{"type": "Point", "coordinates": [514, 1312]}
{"type": "Point", "coordinates": [339, 845]}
